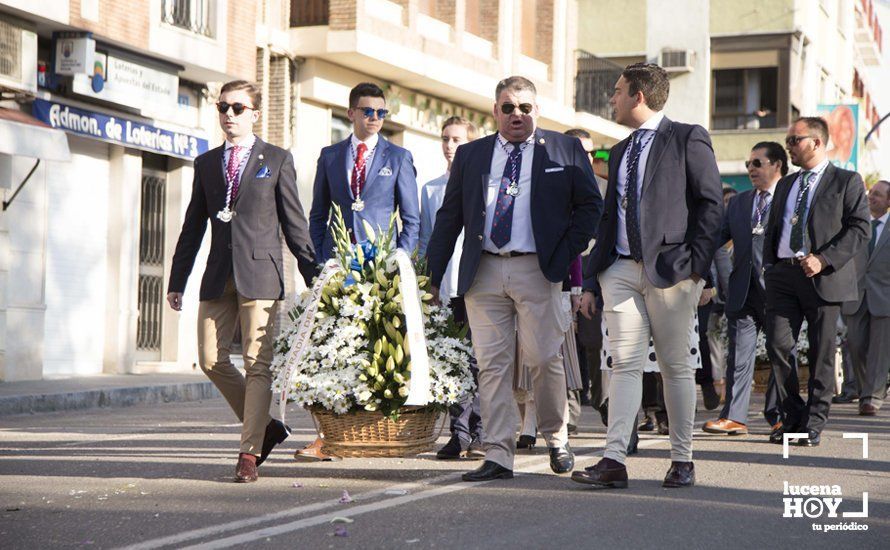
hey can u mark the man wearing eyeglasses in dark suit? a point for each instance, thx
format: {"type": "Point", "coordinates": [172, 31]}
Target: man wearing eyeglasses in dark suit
{"type": "Point", "coordinates": [818, 222]}
{"type": "Point", "coordinates": [527, 203]}
{"type": "Point", "coordinates": [247, 189]}
{"type": "Point", "coordinates": [366, 176]}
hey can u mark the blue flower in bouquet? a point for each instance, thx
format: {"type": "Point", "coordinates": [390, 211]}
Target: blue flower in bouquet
{"type": "Point", "coordinates": [369, 252]}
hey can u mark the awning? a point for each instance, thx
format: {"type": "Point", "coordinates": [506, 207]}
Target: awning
{"type": "Point", "coordinates": [25, 136]}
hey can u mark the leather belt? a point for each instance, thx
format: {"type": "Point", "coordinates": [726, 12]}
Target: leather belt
{"type": "Point", "coordinates": [511, 254]}
{"type": "Point", "coordinates": [626, 257]}
{"type": "Point", "coordinates": [789, 261]}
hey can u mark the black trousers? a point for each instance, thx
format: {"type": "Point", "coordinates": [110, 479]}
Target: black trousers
{"type": "Point", "coordinates": [791, 297]}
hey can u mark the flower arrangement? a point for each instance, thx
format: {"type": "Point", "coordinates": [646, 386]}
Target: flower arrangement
{"type": "Point", "coordinates": [358, 355]}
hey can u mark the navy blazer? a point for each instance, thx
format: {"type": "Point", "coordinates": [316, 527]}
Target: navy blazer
{"type": "Point", "coordinates": [747, 249]}
{"type": "Point", "coordinates": [247, 248]}
{"type": "Point", "coordinates": [838, 226]}
{"type": "Point", "coordinates": [565, 207]}
{"type": "Point", "coordinates": [681, 207]}
{"type": "Point", "coordinates": [390, 184]}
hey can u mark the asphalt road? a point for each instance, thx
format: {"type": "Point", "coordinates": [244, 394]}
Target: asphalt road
{"type": "Point", "coordinates": [160, 477]}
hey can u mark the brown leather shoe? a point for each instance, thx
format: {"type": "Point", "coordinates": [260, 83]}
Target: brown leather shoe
{"type": "Point", "coordinates": [606, 474]}
{"type": "Point", "coordinates": [681, 474]}
{"type": "Point", "coordinates": [246, 471]}
{"type": "Point", "coordinates": [725, 426]}
{"type": "Point", "coordinates": [314, 453]}
{"type": "Point", "coordinates": [867, 409]}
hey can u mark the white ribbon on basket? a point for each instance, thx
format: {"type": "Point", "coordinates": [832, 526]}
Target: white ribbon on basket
{"type": "Point", "coordinates": [306, 324]}
{"type": "Point", "coordinates": [419, 382]}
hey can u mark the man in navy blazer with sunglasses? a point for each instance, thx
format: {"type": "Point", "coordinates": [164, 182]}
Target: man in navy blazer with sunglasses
{"type": "Point", "coordinates": [366, 176]}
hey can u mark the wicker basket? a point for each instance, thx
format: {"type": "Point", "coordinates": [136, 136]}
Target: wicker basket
{"type": "Point", "coordinates": [370, 434]}
{"type": "Point", "coordinates": [761, 377]}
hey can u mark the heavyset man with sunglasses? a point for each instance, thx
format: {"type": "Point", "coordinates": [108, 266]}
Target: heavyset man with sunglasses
{"type": "Point", "coordinates": [247, 189]}
{"type": "Point", "coordinates": [818, 222]}
{"type": "Point", "coordinates": [527, 203]}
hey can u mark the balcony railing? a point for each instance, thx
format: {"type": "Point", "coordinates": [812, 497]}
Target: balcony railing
{"type": "Point", "coordinates": [191, 15]}
{"type": "Point", "coordinates": [594, 83]}
{"type": "Point", "coordinates": [309, 13]}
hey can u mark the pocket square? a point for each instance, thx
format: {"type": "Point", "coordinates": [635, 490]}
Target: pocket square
{"type": "Point", "coordinates": [263, 172]}
{"type": "Point", "coordinates": [385, 171]}
{"type": "Point", "coordinates": [554, 169]}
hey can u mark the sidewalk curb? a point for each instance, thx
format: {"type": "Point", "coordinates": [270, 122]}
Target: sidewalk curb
{"type": "Point", "coordinates": [107, 398]}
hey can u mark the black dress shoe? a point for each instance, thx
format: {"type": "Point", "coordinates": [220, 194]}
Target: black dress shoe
{"type": "Point", "coordinates": [476, 449]}
{"type": "Point", "coordinates": [681, 474]}
{"type": "Point", "coordinates": [647, 425]}
{"type": "Point", "coordinates": [526, 442]}
{"type": "Point", "coordinates": [572, 429]}
{"type": "Point", "coordinates": [812, 441]}
{"type": "Point", "coordinates": [606, 474]}
{"type": "Point", "coordinates": [604, 412]}
{"type": "Point", "coordinates": [488, 471]}
{"type": "Point", "coordinates": [710, 396]}
{"type": "Point", "coordinates": [776, 435]}
{"type": "Point", "coordinates": [663, 428]}
{"type": "Point", "coordinates": [276, 432]}
{"type": "Point", "coordinates": [843, 399]}
{"type": "Point", "coordinates": [451, 450]}
{"type": "Point", "coordinates": [562, 459]}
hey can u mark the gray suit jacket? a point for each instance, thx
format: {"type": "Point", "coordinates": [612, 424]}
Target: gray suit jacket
{"type": "Point", "coordinates": [565, 207]}
{"type": "Point", "coordinates": [837, 229]}
{"type": "Point", "coordinates": [874, 279]}
{"type": "Point", "coordinates": [248, 247]}
{"type": "Point", "coordinates": [681, 207]}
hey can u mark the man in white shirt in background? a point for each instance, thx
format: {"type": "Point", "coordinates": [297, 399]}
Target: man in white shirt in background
{"type": "Point", "coordinates": [466, 421]}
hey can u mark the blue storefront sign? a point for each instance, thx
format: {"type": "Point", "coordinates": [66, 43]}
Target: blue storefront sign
{"type": "Point", "coordinates": [119, 130]}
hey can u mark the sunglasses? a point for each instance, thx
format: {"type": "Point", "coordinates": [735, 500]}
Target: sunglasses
{"type": "Point", "coordinates": [791, 141]}
{"type": "Point", "coordinates": [369, 112]}
{"type": "Point", "coordinates": [237, 108]}
{"type": "Point", "coordinates": [757, 163]}
{"type": "Point", "coordinates": [509, 108]}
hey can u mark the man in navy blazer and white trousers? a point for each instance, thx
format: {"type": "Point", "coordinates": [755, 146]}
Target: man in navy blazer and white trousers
{"type": "Point", "coordinates": [366, 176]}
{"type": "Point", "coordinates": [656, 242]}
{"type": "Point", "coordinates": [528, 205]}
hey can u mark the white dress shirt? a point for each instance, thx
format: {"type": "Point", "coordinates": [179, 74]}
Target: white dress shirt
{"type": "Point", "coordinates": [246, 147]}
{"type": "Point", "coordinates": [431, 197]}
{"type": "Point", "coordinates": [621, 244]}
{"type": "Point", "coordinates": [771, 193]}
{"type": "Point", "coordinates": [521, 237]}
{"type": "Point", "coordinates": [882, 223]}
{"type": "Point", "coordinates": [371, 143]}
{"type": "Point", "coordinates": [785, 251]}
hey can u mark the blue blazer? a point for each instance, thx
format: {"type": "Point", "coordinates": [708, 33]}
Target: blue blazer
{"type": "Point", "coordinates": [565, 207]}
{"type": "Point", "coordinates": [390, 184]}
{"type": "Point", "coordinates": [747, 249]}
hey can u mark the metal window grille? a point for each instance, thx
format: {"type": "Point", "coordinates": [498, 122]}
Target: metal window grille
{"type": "Point", "coordinates": [594, 83]}
{"type": "Point", "coordinates": [192, 15]}
{"type": "Point", "coordinates": [10, 51]}
{"type": "Point", "coordinates": [151, 264]}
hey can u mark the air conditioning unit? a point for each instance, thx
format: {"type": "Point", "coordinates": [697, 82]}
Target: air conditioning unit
{"type": "Point", "coordinates": [18, 57]}
{"type": "Point", "coordinates": [676, 61]}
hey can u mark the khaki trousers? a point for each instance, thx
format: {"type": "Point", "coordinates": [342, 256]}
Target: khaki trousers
{"type": "Point", "coordinates": [636, 311]}
{"type": "Point", "coordinates": [507, 290]}
{"type": "Point", "coordinates": [249, 396]}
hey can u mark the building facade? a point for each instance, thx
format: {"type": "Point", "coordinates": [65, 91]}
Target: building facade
{"type": "Point", "coordinates": [86, 245]}
{"type": "Point", "coordinates": [744, 70]}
